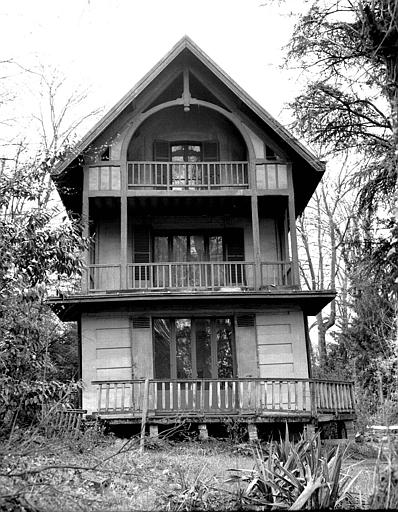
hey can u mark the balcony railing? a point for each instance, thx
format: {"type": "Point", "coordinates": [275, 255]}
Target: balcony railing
{"type": "Point", "coordinates": [187, 176]}
{"type": "Point", "coordinates": [104, 277]}
{"type": "Point", "coordinates": [276, 273]}
{"type": "Point", "coordinates": [194, 276]}
{"type": "Point", "coordinates": [221, 396]}
{"type": "Point", "coordinates": [212, 276]}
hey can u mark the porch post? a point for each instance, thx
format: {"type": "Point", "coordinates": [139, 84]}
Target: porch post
{"type": "Point", "coordinates": [86, 228]}
{"type": "Point", "coordinates": [256, 241]}
{"type": "Point", "coordinates": [123, 225]}
{"type": "Point", "coordinates": [292, 228]}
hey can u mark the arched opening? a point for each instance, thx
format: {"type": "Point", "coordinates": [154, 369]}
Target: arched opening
{"type": "Point", "coordinates": [212, 135]}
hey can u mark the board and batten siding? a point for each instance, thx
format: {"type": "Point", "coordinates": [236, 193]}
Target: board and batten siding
{"type": "Point", "coordinates": [112, 350]}
{"type": "Point", "coordinates": [281, 346]}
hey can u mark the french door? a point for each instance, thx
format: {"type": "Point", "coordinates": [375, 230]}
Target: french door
{"type": "Point", "coordinates": [187, 350]}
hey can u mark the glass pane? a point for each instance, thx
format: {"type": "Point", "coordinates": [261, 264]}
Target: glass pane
{"type": "Point", "coordinates": [180, 248]}
{"type": "Point", "coordinates": [162, 341]}
{"type": "Point", "coordinates": [215, 248]}
{"type": "Point", "coordinates": [224, 348]}
{"type": "Point", "coordinates": [177, 153]}
{"type": "Point", "coordinates": [183, 348]}
{"type": "Point", "coordinates": [161, 248]}
{"type": "Point", "coordinates": [203, 348]}
{"type": "Point", "coordinates": [197, 248]}
{"type": "Point", "coordinates": [193, 153]}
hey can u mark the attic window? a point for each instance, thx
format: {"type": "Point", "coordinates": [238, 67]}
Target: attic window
{"type": "Point", "coordinates": [105, 155]}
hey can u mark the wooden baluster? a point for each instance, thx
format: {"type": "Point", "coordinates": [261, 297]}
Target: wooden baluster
{"type": "Point", "coordinates": [249, 394]}
{"type": "Point", "coordinates": [178, 396]}
{"type": "Point", "coordinates": [273, 394]}
{"type": "Point", "coordinates": [289, 404]}
{"type": "Point", "coordinates": [305, 407]}
{"type": "Point", "coordinates": [345, 400]}
{"type": "Point", "coordinates": [115, 388]}
{"type": "Point", "coordinates": [107, 397]}
{"type": "Point", "coordinates": [351, 395]}
{"type": "Point", "coordinates": [280, 395]}
{"type": "Point", "coordinates": [99, 397]}
{"type": "Point", "coordinates": [194, 396]}
{"type": "Point", "coordinates": [218, 394]}
{"type": "Point", "coordinates": [265, 394]}
{"type": "Point", "coordinates": [340, 397]}
{"type": "Point", "coordinates": [241, 395]}
{"type": "Point", "coordinates": [171, 396]}
{"type": "Point", "coordinates": [233, 400]}
{"type": "Point", "coordinates": [202, 397]}
{"type": "Point", "coordinates": [334, 397]}
{"type": "Point", "coordinates": [226, 391]}
{"type": "Point", "coordinates": [295, 395]}
{"type": "Point", "coordinates": [186, 395]}
{"type": "Point", "coordinates": [163, 395]}
{"type": "Point", "coordinates": [211, 383]}
{"type": "Point", "coordinates": [123, 395]}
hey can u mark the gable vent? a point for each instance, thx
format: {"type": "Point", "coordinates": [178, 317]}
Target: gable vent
{"type": "Point", "coordinates": [141, 322]}
{"type": "Point", "coordinates": [245, 321]}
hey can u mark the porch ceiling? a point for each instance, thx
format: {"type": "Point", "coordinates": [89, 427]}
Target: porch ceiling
{"type": "Point", "coordinates": [70, 308]}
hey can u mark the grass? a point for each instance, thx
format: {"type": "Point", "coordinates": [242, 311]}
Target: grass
{"type": "Point", "coordinates": [101, 473]}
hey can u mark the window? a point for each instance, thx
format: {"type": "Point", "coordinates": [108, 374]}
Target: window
{"type": "Point", "coordinates": [189, 247]}
{"type": "Point", "coordinates": [187, 170]}
{"type": "Point", "coordinates": [198, 348]}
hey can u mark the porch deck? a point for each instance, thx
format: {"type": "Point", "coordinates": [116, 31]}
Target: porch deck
{"type": "Point", "coordinates": [261, 400]}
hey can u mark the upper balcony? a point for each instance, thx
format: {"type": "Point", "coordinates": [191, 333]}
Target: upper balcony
{"type": "Point", "coordinates": [218, 178]}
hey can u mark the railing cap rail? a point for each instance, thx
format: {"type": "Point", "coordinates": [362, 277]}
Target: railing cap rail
{"type": "Point", "coordinates": [237, 379]}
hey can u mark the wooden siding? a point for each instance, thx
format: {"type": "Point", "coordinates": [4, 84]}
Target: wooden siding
{"type": "Point", "coordinates": [281, 344]}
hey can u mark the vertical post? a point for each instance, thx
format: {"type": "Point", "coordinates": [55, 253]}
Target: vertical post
{"type": "Point", "coordinates": [86, 228]}
{"type": "Point", "coordinates": [292, 228]}
{"type": "Point", "coordinates": [256, 241]}
{"type": "Point", "coordinates": [144, 414]}
{"type": "Point", "coordinates": [123, 225]}
{"type": "Point", "coordinates": [252, 431]}
{"type": "Point", "coordinates": [203, 433]}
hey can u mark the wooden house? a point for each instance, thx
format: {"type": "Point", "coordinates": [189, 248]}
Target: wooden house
{"type": "Point", "coordinates": [191, 302]}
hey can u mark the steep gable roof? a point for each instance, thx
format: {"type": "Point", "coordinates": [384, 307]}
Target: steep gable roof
{"type": "Point", "coordinates": [187, 44]}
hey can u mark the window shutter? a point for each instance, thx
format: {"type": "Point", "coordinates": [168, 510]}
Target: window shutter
{"type": "Point", "coordinates": [245, 320]}
{"type": "Point", "coordinates": [161, 151]}
{"type": "Point", "coordinates": [142, 322]}
{"type": "Point", "coordinates": [210, 151]}
{"type": "Point", "coordinates": [235, 247]}
{"type": "Point", "coordinates": [142, 244]}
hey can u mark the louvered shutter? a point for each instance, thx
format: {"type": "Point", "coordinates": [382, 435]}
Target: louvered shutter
{"type": "Point", "coordinates": [142, 251]}
{"type": "Point", "coordinates": [161, 151]}
{"type": "Point", "coordinates": [235, 251]}
{"type": "Point", "coordinates": [210, 151]}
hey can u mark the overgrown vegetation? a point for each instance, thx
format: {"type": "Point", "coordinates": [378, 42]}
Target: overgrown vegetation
{"type": "Point", "coordinates": [97, 472]}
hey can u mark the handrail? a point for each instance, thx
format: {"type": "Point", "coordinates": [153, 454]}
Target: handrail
{"type": "Point", "coordinates": [243, 395]}
{"type": "Point", "coordinates": [188, 175]}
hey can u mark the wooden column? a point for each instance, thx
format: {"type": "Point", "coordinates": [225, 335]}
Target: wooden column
{"type": "Point", "coordinates": [292, 228]}
{"type": "Point", "coordinates": [252, 431]}
{"type": "Point", "coordinates": [123, 225]}
{"type": "Point", "coordinates": [256, 241]}
{"type": "Point", "coordinates": [86, 228]}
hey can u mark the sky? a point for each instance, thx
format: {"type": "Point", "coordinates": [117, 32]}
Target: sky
{"type": "Point", "coordinates": [106, 46]}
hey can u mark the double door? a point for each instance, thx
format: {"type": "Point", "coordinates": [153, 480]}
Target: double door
{"type": "Point", "coordinates": [193, 360]}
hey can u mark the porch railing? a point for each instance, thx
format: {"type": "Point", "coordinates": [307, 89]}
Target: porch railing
{"type": "Point", "coordinates": [190, 275]}
{"type": "Point", "coordinates": [186, 176]}
{"type": "Point", "coordinates": [103, 277]}
{"type": "Point", "coordinates": [219, 275]}
{"type": "Point", "coordinates": [276, 273]}
{"type": "Point", "coordinates": [222, 396]}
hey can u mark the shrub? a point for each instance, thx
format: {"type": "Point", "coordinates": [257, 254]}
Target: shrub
{"type": "Point", "coordinates": [295, 476]}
